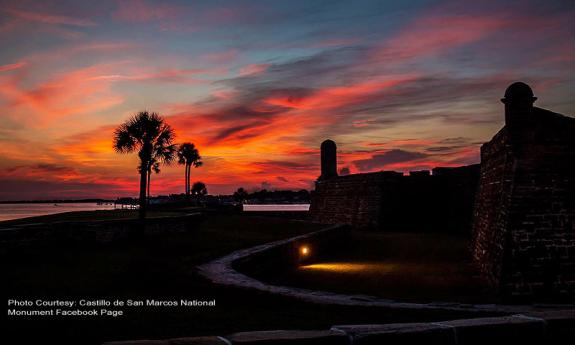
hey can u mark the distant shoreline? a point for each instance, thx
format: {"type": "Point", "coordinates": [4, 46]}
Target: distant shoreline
{"type": "Point", "coordinates": [55, 201]}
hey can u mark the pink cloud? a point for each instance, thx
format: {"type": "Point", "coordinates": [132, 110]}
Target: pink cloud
{"type": "Point", "coordinates": [254, 69]}
{"type": "Point", "coordinates": [333, 97]}
{"type": "Point", "coordinates": [11, 67]}
{"type": "Point", "coordinates": [103, 49]}
{"type": "Point", "coordinates": [336, 42]}
{"type": "Point", "coordinates": [49, 18]}
{"type": "Point", "coordinates": [182, 76]}
{"type": "Point", "coordinates": [140, 11]}
{"type": "Point", "coordinates": [435, 34]}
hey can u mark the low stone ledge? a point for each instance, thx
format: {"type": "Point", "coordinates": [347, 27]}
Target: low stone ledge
{"type": "Point", "coordinates": [560, 323]}
{"type": "Point", "coordinates": [327, 337]}
{"type": "Point", "coordinates": [175, 341]}
{"type": "Point", "coordinates": [556, 319]}
{"type": "Point", "coordinates": [198, 341]}
{"type": "Point", "coordinates": [516, 328]}
{"type": "Point", "coordinates": [399, 333]}
{"type": "Point", "coordinates": [138, 342]}
{"type": "Point", "coordinates": [523, 329]}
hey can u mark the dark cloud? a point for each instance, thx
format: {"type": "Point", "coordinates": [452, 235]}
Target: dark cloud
{"type": "Point", "coordinates": [41, 168]}
{"type": "Point", "coordinates": [296, 165]}
{"type": "Point", "coordinates": [324, 68]}
{"type": "Point", "coordinates": [456, 140]}
{"type": "Point", "coordinates": [246, 112]}
{"type": "Point", "coordinates": [281, 178]}
{"type": "Point", "coordinates": [228, 132]}
{"type": "Point", "coordinates": [443, 148]}
{"type": "Point", "coordinates": [390, 157]}
{"type": "Point", "coordinates": [450, 144]}
{"type": "Point", "coordinates": [45, 190]}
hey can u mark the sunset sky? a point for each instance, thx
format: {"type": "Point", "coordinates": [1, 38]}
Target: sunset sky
{"type": "Point", "coordinates": [257, 85]}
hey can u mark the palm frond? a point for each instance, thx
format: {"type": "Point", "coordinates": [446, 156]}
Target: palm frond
{"type": "Point", "coordinates": [124, 141]}
{"type": "Point", "coordinates": [188, 154]}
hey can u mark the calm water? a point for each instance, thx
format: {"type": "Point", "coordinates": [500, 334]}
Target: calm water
{"type": "Point", "coordinates": [286, 207]}
{"type": "Point", "coordinates": [15, 211]}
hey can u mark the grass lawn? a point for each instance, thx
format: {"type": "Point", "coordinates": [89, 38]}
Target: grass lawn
{"type": "Point", "coordinates": [163, 268]}
{"type": "Point", "coordinates": [413, 267]}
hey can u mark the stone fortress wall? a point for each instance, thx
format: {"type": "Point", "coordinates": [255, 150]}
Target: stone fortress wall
{"type": "Point", "coordinates": [518, 204]}
{"type": "Point", "coordinates": [440, 201]}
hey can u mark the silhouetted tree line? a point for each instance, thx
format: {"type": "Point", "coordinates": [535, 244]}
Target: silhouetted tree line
{"type": "Point", "coordinates": [241, 195]}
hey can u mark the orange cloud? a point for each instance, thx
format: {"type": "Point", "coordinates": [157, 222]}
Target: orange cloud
{"type": "Point", "coordinates": [81, 91]}
{"type": "Point", "coordinates": [71, 93]}
{"type": "Point", "coordinates": [92, 147]}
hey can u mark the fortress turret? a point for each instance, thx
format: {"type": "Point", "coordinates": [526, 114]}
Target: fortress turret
{"type": "Point", "coordinates": [328, 160]}
{"type": "Point", "coordinates": [518, 102]}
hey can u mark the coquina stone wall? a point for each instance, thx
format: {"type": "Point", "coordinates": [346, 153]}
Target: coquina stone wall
{"type": "Point", "coordinates": [490, 219]}
{"type": "Point", "coordinates": [387, 200]}
{"type": "Point", "coordinates": [353, 199]}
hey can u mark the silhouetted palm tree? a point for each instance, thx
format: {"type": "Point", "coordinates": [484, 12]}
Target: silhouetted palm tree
{"type": "Point", "coordinates": [199, 188]}
{"type": "Point", "coordinates": [189, 155]}
{"type": "Point", "coordinates": [150, 136]}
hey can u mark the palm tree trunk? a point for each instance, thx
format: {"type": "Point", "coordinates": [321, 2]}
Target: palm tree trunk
{"type": "Point", "coordinates": [143, 180]}
{"type": "Point", "coordinates": [187, 182]}
{"type": "Point", "coordinates": [149, 178]}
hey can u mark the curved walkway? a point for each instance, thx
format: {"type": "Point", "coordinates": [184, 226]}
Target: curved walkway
{"type": "Point", "coordinates": [220, 271]}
